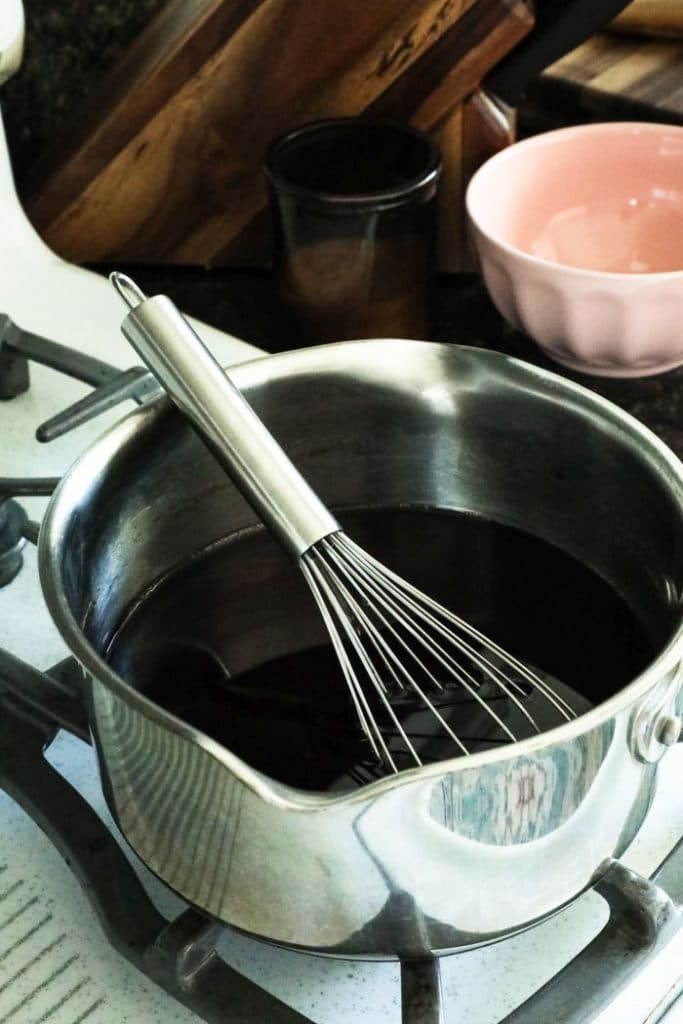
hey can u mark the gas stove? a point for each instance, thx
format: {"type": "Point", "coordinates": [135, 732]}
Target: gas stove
{"type": "Point", "coordinates": [87, 934]}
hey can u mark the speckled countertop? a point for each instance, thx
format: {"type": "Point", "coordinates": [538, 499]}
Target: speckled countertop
{"type": "Point", "coordinates": [243, 304]}
{"type": "Point", "coordinates": [69, 46]}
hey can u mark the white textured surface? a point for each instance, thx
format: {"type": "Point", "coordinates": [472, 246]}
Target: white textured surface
{"type": "Point", "coordinates": [47, 929]}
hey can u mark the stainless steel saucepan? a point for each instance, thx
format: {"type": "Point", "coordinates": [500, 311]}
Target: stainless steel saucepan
{"type": "Point", "coordinates": [438, 858]}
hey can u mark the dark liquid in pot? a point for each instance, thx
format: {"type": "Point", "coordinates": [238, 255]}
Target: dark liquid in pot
{"type": "Point", "coordinates": [233, 644]}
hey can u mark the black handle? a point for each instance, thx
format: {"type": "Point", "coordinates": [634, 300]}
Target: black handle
{"type": "Point", "coordinates": [560, 26]}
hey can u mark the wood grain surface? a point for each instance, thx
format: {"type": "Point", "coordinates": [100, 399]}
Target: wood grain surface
{"type": "Point", "coordinates": [617, 77]}
{"type": "Point", "coordinates": [651, 18]}
{"type": "Point", "coordinates": [477, 129]}
{"type": "Point", "coordinates": [165, 164]}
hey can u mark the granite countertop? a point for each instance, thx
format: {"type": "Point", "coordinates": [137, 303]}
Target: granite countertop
{"type": "Point", "coordinates": [243, 303]}
{"type": "Point", "coordinates": [69, 47]}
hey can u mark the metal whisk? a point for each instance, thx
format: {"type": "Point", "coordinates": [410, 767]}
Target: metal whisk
{"type": "Point", "coordinates": [397, 647]}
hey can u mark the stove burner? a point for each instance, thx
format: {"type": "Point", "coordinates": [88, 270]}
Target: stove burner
{"type": "Point", "coordinates": [110, 384]}
{"type": "Point", "coordinates": [14, 375]}
{"type": "Point", "coordinates": [13, 519]}
{"type": "Point", "coordinates": [15, 526]}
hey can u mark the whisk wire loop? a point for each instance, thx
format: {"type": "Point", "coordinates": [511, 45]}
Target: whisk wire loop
{"type": "Point", "coordinates": [389, 635]}
{"type": "Point", "coordinates": [368, 722]}
{"type": "Point", "coordinates": [373, 594]}
{"type": "Point", "coordinates": [387, 655]}
{"type": "Point", "coordinates": [312, 576]}
{"type": "Point", "coordinates": [402, 588]}
{"type": "Point", "coordinates": [460, 674]}
{"type": "Point", "coordinates": [440, 654]}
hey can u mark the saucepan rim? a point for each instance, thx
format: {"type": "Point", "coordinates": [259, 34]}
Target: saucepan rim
{"type": "Point", "coordinates": [116, 437]}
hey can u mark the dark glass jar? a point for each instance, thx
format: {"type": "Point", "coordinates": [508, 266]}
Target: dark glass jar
{"type": "Point", "coordinates": [354, 212]}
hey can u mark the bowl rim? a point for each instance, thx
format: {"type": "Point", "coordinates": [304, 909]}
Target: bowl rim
{"type": "Point", "coordinates": [547, 139]}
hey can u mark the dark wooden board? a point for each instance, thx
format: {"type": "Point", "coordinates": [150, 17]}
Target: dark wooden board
{"type": "Point", "coordinates": [165, 164]}
{"type": "Point", "coordinates": [651, 18]}
{"type": "Point", "coordinates": [613, 76]}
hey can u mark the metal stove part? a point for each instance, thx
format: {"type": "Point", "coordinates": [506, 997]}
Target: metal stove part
{"type": "Point", "coordinates": [136, 384]}
{"type": "Point", "coordinates": [14, 374]}
{"type": "Point", "coordinates": [55, 699]}
{"type": "Point", "coordinates": [18, 346]}
{"type": "Point", "coordinates": [421, 995]}
{"type": "Point", "coordinates": [15, 526]}
{"type": "Point", "coordinates": [111, 385]}
{"type": "Point", "coordinates": [643, 919]}
{"type": "Point", "coordinates": [12, 540]}
{"type": "Point", "coordinates": [181, 956]}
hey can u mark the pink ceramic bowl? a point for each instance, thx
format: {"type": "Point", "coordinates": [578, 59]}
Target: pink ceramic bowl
{"type": "Point", "coordinates": [579, 234]}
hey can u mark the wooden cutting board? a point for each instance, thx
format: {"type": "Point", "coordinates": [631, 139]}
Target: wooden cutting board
{"type": "Point", "coordinates": [165, 162]}
{"type": "Point", "coordinates": [615, 77]}
{"type": "Point", "coordinates": [651, 18]}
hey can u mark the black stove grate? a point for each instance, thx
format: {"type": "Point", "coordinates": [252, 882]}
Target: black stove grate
{"type": "Point", "coordinates": [110, 387]}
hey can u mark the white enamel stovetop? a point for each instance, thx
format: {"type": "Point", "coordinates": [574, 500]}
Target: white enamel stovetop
{"type": "Point", "coordinates": [55, 964]}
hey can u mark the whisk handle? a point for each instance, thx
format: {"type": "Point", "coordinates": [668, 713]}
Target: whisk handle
{"type": "Point", "coordinates": [224, 420]}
